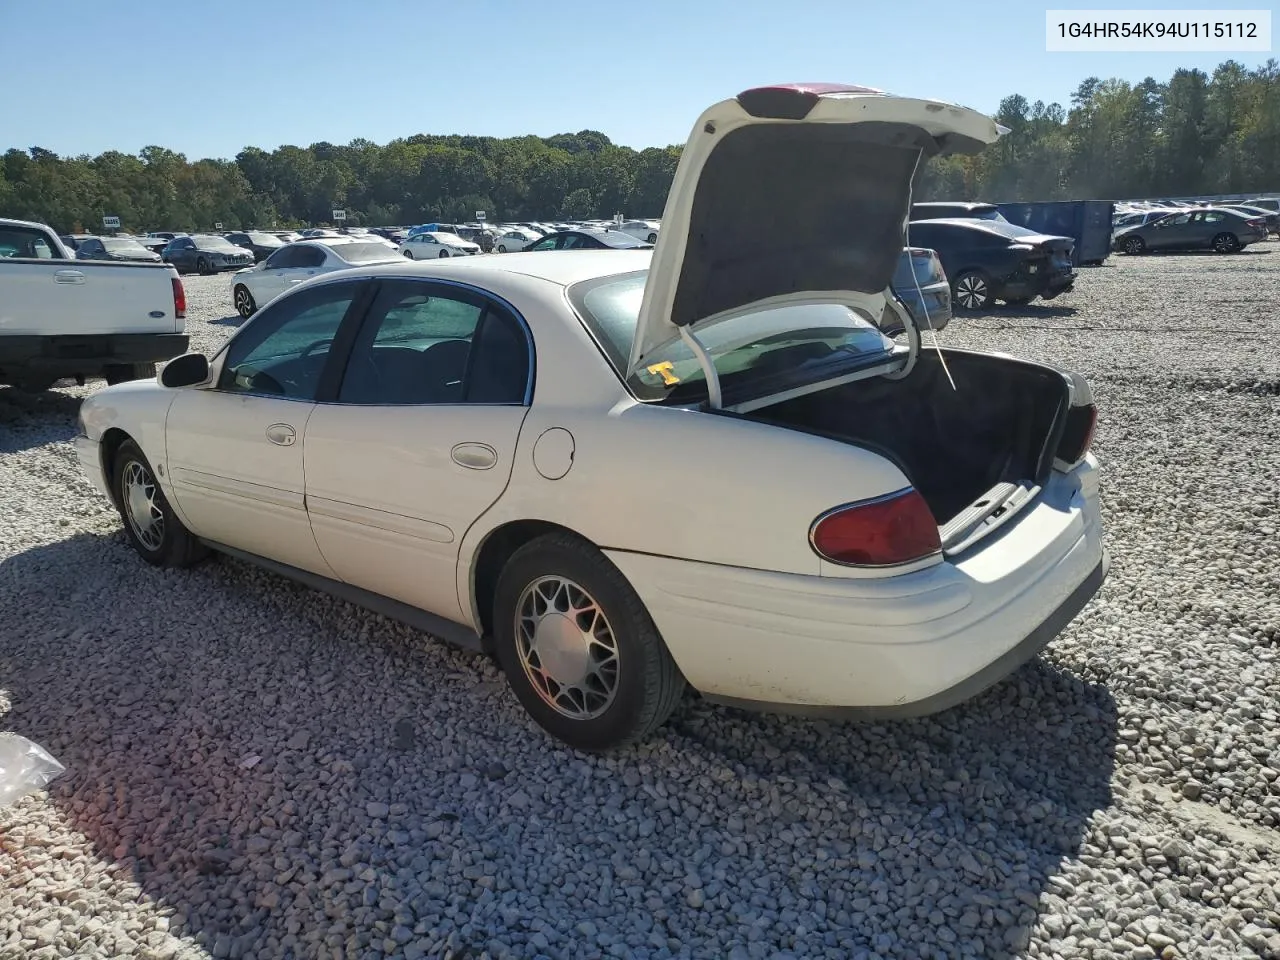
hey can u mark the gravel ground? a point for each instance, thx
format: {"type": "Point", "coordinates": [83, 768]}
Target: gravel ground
{"type": "Point", "coordinates": [258, 771]}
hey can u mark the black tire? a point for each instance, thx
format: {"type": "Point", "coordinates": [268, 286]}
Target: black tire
{"type": "Point", "coordinates": [1226, 242]}
{"type": "Point", "coordinates": [647, 684]}
{"type": "Point", "coordinates": [123, 372]}
{"type": "Point", "coordinates": [444, 254]}
{"type": "Point", "coordinates": [202, 267]}
{"type": "Point", "coordinates": [501, 248]}
{"type": "Point", "coordinates": [243, 300]}
{"type": "Point", "coordinates": [971, 290]}
{"type": "Point", "coordinates": [1135, 246]}
{"type": "Point", "coordinates": [409, 254]}
{"type": "Point", "coordinates": [653, 238]}
{"type": "Point", "coordinates": [174, 545]}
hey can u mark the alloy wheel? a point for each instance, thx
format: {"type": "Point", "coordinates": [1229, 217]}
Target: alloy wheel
{"type": "Point", "coordinates": [566, 647]}
{"type": "Point", "coordinates": [971, 291]}
{"type": "Point", "coordinates": [146, 518]}
{"type": "Point", "coordinates": [1226, 243]}
{"type": "Point", "coordinates": [243, 302]}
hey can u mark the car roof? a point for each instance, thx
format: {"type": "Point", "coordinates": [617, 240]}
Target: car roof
{"type": "Point", "coordinates": [561, 267]}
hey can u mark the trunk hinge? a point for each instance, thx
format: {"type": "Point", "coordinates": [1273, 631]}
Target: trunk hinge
{"type": "Point", "coordinates": [708, 367]}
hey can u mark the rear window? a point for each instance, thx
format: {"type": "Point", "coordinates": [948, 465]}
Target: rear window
{"type": "Point", "coordinates": [363, 252]}
{"type": "Point", "coordinates": [798, 342]}
{"type": "Point", "coordinates": [917, 266]}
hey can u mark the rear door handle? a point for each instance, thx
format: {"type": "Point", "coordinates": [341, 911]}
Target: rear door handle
{"type": "Point", "coordinates": [281, 434]}
{"type": "Point", "coordinates": [68, 276]}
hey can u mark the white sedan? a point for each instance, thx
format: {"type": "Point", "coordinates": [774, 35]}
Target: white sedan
{"type": "Point", "coordinates": [646, 230]}
{"type": "Point", "coordinates": [300, 261]}
{"type": "Point", "coordinates": [624, 472]}
{"type": "Point", "coordinates": [435, 245]}
{"type": "Point", "coordinates": [515, 240]}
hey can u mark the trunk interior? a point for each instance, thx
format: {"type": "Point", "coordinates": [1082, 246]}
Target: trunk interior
{"type": "Point", "coordinates": [1000, 425]}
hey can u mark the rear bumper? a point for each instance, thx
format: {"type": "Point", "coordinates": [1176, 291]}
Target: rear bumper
{"type": "Point", "coordinates": [898, 646]}
{"type": "Point", "coordinates": [1046, 285]}
{"type": "Point", "coordinates": [87, 354]}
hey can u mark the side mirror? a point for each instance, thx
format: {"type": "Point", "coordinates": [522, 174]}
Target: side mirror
{"type": "Point", "coordinates": [185, 371]}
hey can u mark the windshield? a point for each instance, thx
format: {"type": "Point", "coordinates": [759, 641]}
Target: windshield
{"type": "Point", "coordinates": [215, 243]}
{"type": "Point", "coordinates": [363, 252]}
{"type": "Point", "coordinates": [123, 246]}
{"type": "Point", "coordinates": [794, 341]}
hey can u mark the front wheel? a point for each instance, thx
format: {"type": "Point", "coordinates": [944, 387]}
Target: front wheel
{"type": "Point", "coordinates": [1134, 246]}
{"type": "Point", "coordinates": [123, 372]}
{"type": "Point", "coordinates": [972, 291]}
{"type": "Point", "coordinates": [578, 647]}
{"type": "Point", "coordinates": [1226, 243]}
{"type": "Point", "coordinates": [443, 254]}
{"type": "Point", "coordinates": [202, 267]}
{"type": "Point", "coordinates": [409, 254]}
{"type": "Point", "coordinates": [243, 300]}
{"type": "Point", "coordinates": [652, 238]}
{"type": "Point", "coordinates": [502, 248]}
{"type": "Point", "coordinates": [152, 527]}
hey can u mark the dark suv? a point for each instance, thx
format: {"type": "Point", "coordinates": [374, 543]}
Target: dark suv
{"type": "Point", "coordinates": [477, 235]}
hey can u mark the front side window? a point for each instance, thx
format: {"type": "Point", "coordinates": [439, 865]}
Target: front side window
{"type": "Point", "coordinates": [283, 352]}
{"type": "Point", "coordinates": [23, 242]}
{"type": "Point", "coordinates": [430, 344]}
{"type": "Point", "coordinates": [281, 259]}
{"type": "Point", "coordinates": [548, 244]}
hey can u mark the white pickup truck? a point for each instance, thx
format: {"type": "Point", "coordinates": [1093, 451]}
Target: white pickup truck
{"type": "Point", "coordinates": [61, 317]}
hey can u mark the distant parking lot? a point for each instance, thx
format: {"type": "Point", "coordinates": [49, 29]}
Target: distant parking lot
{"type": "Point", "coordinates": [256, 770]}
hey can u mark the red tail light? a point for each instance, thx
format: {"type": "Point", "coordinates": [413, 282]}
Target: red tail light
{"type": "Point", "coordinates": [883, 532]}
{"type": "Point", "coordinates": [179, 299]}
{"type": "Point", "coordinates": [1077, 438]}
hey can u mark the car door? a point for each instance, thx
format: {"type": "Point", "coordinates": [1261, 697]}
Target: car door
{"type": "Point", "coordinates": [235, 447]}
{"type": "Point", "coordinates": [419, 439]}
{"type": "Point", "coordinates": [1170, 233]}
{"type": "Point", "coordinates": [271, 280]}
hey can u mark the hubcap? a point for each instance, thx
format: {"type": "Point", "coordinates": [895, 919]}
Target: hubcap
{"type": "Point", "coordinates": [567, 648]}
{"type": "Point", "coordinates": [140, 506]}
{"type": "Point", "coordinates": [971, 292]}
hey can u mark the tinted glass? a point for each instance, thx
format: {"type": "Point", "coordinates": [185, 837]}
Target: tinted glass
{"type": "Point", "coordinates": [124, 246]}
{"type": "Point", "coordinates": [283, 351]}
{"type": "Point", "coordinates": [23, 242]}
{"type": "Point", "coordinates": [308, 257]}
{"type": "Point", "coordinates": [281, 258]}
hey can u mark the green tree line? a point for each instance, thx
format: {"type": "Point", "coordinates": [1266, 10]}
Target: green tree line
{"type": "Point", "coordinates": [1192, 134]}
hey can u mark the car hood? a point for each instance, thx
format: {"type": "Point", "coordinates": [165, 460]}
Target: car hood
{"type": "Point", "coordinates": [824, 166]}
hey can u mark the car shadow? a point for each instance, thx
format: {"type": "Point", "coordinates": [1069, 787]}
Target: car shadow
{"type": "Point", "coordinates": [30, 420]}
{"type": "Point", "coordinates": [271, 754]}
{"type": "Point", "coordinates": [1249, 251]}
{"type": "Point", "coordinates": [1039, 310]}
{"type": "Point", "coordinates": [234, 320]}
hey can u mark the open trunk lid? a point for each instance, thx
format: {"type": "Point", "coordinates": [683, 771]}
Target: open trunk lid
{"type": "Point", "coordinates": [825, 169]}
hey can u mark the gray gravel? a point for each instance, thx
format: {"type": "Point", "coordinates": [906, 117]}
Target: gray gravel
{"type": "Point", "coordinates": [258, 771]}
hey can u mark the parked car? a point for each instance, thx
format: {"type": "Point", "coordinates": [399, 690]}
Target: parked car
{"type": "Point", "coordinates": [1266, 203]}
{"type": "Point", "coordinates": [480, 236]}
{"type": "Point", "coordinates": [988, 260]}
{"type": "Point", "coordinates": [115, 248]}
{"type": "Point", "coordinates": [434, 245]}
{"type": "Point", "coordinates": [936, 210]}
{"type": "Point", "coordinates": [516, 239]}
{"type": "Point", "coordinates": [166, 235]}
{"type": "Point", "coordinates": [286, 236]}
{"type": "Point", "coordinates": [909, 542]}
{"type": "Point", "coordinates": [155, 244]}
{"type": "Point", "coordinates": [257, 242]}
{"type": "Point", "coordinates": [82, 319]}
{"type": "Point", "coordinates": [205, 254]}
{"type": "Point", "coordinates": [1137, 218]}
{"type": "Point", "coordinates": [316, 233]}
{"type": "Point", "coordinates": [589, 240]}
{"type": "Point", "coordinates": [646, 230]}
{"type": "Point", "coordinates": [72, 241]}
{"type": "Point", "coordinates": [1223, 231]}
{"type": "Point", "coordinates": [920, 282]}
{"type": "Point", "coordinates": [297, 262]}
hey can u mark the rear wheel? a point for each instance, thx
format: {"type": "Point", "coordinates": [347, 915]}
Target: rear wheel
{"type": "Point", "coordinates": [972, 291]}
{"type": "Point", "coordinates": [443, 254]}
{"type": "Point", "coordinates": [502, 248]}
{"type": "Point", "coordinates": [243, 300]}
{"type": "Point", "coordinates": [578, 647]}
{"type": "Point", "coordinates": [1135, 246]}
{"type": "Point", "coordinates": [123, 372]}
{"type": "Point", "coordinates": [1226, 243]}
{"type": "Point", "coordinates": [652, 238]}
{"type": "Point", "coordinates": [152, 527]}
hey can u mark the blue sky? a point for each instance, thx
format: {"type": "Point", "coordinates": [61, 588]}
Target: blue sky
{"type": "Point", "coordinates": [210, 78]}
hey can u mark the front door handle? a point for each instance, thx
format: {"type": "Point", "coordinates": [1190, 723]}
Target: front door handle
{"type": "Point", "coordinates": [474, 456]}
{"type": "Point", "coordinates": [281, 434]}
{"type": "Point", "coordinates": [68, 276]}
